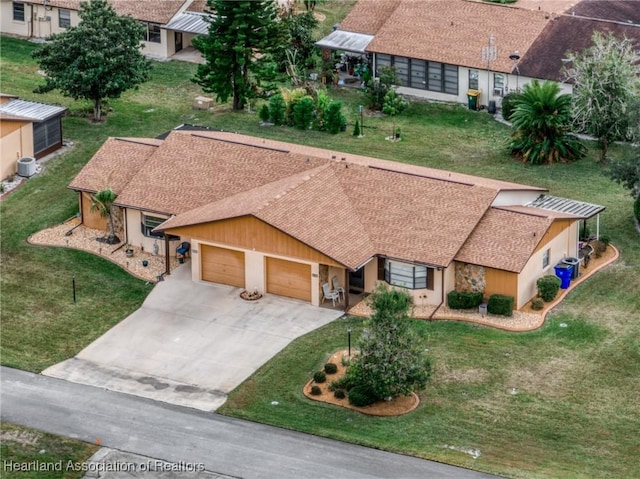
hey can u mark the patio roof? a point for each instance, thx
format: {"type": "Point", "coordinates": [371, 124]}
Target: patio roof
{"type": "Point", "coordinates": [347, 41]}
{"type": "Point", "coordinates": [190, 22]}
{"type": "Point", "coordinates": [565, 205]}
{"type": "Point", "coordinates": [29, 110]}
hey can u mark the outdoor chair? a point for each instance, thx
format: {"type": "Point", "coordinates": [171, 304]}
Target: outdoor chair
{"type": "Point", "coordinates": [328, 294]}
{"type": "Point", "coordinates": [183, 249]}
{"type": "Point", "coordinates": [336, 286]}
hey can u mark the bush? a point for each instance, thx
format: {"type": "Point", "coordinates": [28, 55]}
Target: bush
{"type": "Point", "coordinates": [339, 394]}
{"type": "Point", "coordinates": [316, 391]}
{"type": "Point", "coordinates": [319, 377]}
{"type": "Point", "coordinates": [277, 109]}
{"type": "Point", "coordinates": [263, 114]}
{"type": "Point", "coordinates": [599, 247]}
{"type": "Point", "coordinates": [464, 299]}
{"type": "Point", "coordinates": [508, 105]}
{"type": "Point", "coordinates": [356, 128]}
{"type": "Point", "coordinates": [333, 117]}
{"type": "Point", "coordinates": [345, 382]}
{"type": "Point", "coordinates": [330, 368]}
{"type": "Point", "coordinates": [393, 104]}
{"type": "Point", "coordinates": [548, 287]}
{"type": "Point", "coordinates": [636, 208]}
{"type": "Point", "coordinates": [500, 304]}
{"type": "Point", "coordinates": [361, 396]}
{"type": "Point", "coordinates": [537, 304]}
{"type": "Point", "coordinates": [605, 240]}
{"type": "Point", "coordinates": [303, 113]}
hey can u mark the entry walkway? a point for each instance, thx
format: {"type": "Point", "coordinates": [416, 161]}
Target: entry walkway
{"type": "Point", "coordinates": [191, 343]}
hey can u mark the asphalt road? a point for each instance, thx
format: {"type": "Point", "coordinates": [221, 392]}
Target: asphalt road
{"type": "Point", "coordinates": [176, 434]}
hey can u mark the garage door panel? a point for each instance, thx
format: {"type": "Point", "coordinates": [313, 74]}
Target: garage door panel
{"type": "Point", "coordinates": [286, 278]}
{"type": "Point", "coordinates": [224, 266]}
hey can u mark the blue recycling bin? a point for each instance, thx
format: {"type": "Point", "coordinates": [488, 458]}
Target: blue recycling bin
{"type": "Point", "coordinates": [564, 272]}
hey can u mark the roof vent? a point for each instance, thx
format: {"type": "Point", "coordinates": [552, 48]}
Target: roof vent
{"type": "Point", "coordinates": [27, 166]}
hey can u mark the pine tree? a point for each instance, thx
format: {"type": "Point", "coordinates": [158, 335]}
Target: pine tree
{"type": "Point", "coordinates": [239, 35]}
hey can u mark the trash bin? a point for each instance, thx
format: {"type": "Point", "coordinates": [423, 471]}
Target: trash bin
{"type": "Point", "coordinates": [473, 98]}
{"type": "Point", "coordinates": [492, 107]}
{"type": "Point", "coordinates": [564, 271]}
{"type": "Point", "coordinates": [575, 262]}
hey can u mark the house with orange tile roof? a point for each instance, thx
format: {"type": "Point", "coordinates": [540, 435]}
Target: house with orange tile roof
{"type": "Point", "coordinates": [170, 24]}
{"type": "Point", "coordinates": [443, 49]}
{"type": "Point", "coordinates": [283, 218]}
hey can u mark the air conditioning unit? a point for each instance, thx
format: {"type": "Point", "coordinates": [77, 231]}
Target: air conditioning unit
{"type": "Point", "coordinates": [27, 166]}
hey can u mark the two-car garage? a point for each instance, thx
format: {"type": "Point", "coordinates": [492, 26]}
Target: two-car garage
{"type": "Point", "coordinates": [283, 277]}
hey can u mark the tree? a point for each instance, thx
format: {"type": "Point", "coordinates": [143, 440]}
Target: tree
{"type": "Point", "coordinates": [606, 79]}
{"type": "Point", "coordinates": [541, 120]}
{"type": "Point", "coordinates": [98, 59]}
{"type": "Point", "coordinates": [391, 361]}
{"type": "Point", "coordinates": [240, 34]}
{"type": "Point", "coordinates": [102, 202]}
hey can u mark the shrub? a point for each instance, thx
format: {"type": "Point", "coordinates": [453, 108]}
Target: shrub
{"type": "Point", "coordinates": [316, 391]}
{"type": "Point", "coordinates": [333, 117]}
{"type": "Point", "coordinates": [361, 396]}
{"type": "Point", "coordinates": [330, 368]}
{"type": "Point", "coordinates": [548, 287]}
{"type": "Point", "coordinates": [263, 114]}
{"type": "Point", "coordinates": [599, 247]}
{"type": "Point", "coordinates": [636, 208]}
{"type": "Point", "coordinates": [277, 109]}
{"type": "Point", "coordinates": [345, 382]}
{"type": "Point", "coordinates": [508, 105]}
{"type": "Point", "coordinates": [303, 113]}
{"type": "Point", "coordinates": [537, 304]}
{"type": "Point", "coordinates": [393, 104]}
{"type": "Point", "coordinates": [319, 377]}
{"type": "Point", "coordinates": [339, 394]}
{"type": "Point", "coordinates": [356, 128]}
{"type": "Point", "coordinates": [605, 240]}
{"type": "Point", "coordinates": [500, 304]}
{"type": "Point", "coordinates": [463, 299]}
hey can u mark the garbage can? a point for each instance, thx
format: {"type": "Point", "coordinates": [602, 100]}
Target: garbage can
{"type": "Point", "coordinates": [564, 271]}
{"type": "Point", "coordinates": [492, 107]}
{"type": "Point", "coordinates": [575, 262]}
{"type": "Point", "coordinates": [473, 98]}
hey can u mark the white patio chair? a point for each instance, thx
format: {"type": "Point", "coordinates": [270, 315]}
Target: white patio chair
{"type": "Point", "coordinates": [328, 294]}
{"type": "Point", "coordinates": [337, 287]}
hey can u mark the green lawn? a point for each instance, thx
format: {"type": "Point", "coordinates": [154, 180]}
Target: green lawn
{"type": "Point", "coordinates": [576, 413]}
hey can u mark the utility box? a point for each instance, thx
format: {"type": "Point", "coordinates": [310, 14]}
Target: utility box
{"type": "Point", "coordinates": [202, 103]}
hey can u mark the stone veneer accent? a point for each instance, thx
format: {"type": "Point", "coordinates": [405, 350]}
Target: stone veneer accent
{"type": "Point", "coordinates": [470, 277]}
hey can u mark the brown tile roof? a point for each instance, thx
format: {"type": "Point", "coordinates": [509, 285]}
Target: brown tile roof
{"type": "Point", "coordinates": [625, 11]}
{"type": "Point", "coordinates": [454, 32]}
{"type": "Point", "coordinates": [367, 16]}
{"type": "Point", "coordinates": [199, 6]}
{"type": "Point", "coordinates": [504, 239]}
{"type": "Point", "coordinates": [551, 6]}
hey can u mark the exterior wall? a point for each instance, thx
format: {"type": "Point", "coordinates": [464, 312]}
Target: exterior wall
{"type": "Point", "coordinates": [161, 50]}
{"type": "Point", "coordinates": [16, 141]}
{"type": "Point", "coordinates": [91, 219]}
{"type": "Point", "coordinates": [419, 296]}
{"type": "Point", "coordinates": [9, 26]}
{"type": "Point", "coordinates": [498, 281]}
{"type": "Point", "coordinates": [508, 198]}
{"type": "Point", "coordinates": [134, 236]}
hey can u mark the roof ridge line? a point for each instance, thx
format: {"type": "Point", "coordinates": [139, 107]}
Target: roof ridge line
{"type": "Point", "coordinates": [226, 140]}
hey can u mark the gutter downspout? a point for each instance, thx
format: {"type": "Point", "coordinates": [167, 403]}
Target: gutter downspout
{"type": "Point", "coordinates": [441, 297]}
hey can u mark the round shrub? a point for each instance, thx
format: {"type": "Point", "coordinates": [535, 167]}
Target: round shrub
{"type": "Point", "coordinates": [330, 368]}
{"type": "Point", "coordinates": [333, 117]}
{"type": "Point", "coordinates": [339, 394]}
{"type": "Point", "coordinates": [319, 377]}
{"type": "Point", "coordinates": [508, 104]}
{"type": "Point", "coordinates": [537, 304]}
{"type": "Point", "coordinates": [316, 391]}
{"type": "Point", "coordinates": [361, 396]}
{"type": "Point", "coordinates": [548, 287]}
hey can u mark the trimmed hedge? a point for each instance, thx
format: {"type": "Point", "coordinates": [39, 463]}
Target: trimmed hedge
{"type": "Point", "coordinates": [537, 304]}
{"type": "Point", "coordinates": [361, 396]}
{"type": "Point", "coordinates": [339, 394]}
{"type": "Point", "coordinates": [464, 299]}
{"type": "Point", "coordinates": [500, 304]}
{"type": "Point", "coordinates": [548, 287]}
{"type": "Point", "coordinates": [319, 377]}
{"type": "Point", "coordinates": [316, 391]}
{"type": "Point", "coordinates": [330, 368]}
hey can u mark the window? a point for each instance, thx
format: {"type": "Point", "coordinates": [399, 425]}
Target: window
{"type": "Point", "coordinates": [545, 258]}
{"type": "Point", "coordinates": [64, 18]}
{"type": "Point", "coordinates": [150, 222]}
{"type": "Point", "coordinates": [18, 12]}
{"type": "Point", "coordinates": [498, 84]}
{"type": "Point", "coordinates": [422, 74]}
{"type": "Point", "coordinates": [152, 33]}
{"type": "Point", "coordinates": [418, 74]}
{"type": "Point", "coordinates": [473, 79]}
{"type": "Point", "coordinates": [408, 275]}
{"type": "Point", "coordinates": [435, 76]}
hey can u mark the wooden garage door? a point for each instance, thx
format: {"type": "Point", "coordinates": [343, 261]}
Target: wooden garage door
{"type": "Point", "coordinates": [220, 265]}
{"type": "Point", "coordinates": [286, 278]}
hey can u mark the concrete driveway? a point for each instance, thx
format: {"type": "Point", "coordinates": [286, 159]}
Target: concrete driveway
{"type": "Point", "coordinates": [191, 343]}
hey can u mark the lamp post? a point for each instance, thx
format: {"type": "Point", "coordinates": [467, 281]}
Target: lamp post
{"type": "Point", "coordinates": [349, 340]}
{"type": "Point", "coordinates": [514, 57]}
{"type": "Point", "coordinates": [73, 286]}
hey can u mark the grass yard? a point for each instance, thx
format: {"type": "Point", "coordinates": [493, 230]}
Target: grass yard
{"type": "Point", "coordinates": [576, 414]}
{"type": "Point", "coordinates": [22, 446]}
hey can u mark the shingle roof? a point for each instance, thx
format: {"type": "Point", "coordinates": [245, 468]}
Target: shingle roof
{"type": "Point", "coordinates": [625, 11]}
{"type": "Point", "coordinates": [455, 31]}
{"type": "Point", "coordinates": [368, 16]}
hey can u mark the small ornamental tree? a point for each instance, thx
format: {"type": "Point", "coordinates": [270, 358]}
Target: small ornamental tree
{"type": "Point", "coordinates": [333, 117]}
{"type": "Point", "coordinates": [391, 360]}
{"type": "Point", "coordinates": [102, 203]}
{"type": "Point", "coordinates": [277, 109]}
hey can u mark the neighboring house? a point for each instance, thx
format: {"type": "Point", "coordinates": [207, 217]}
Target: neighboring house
{"type": "Point", "coordinates": [284, 218]}
{"type": "Point", "coordinates": [441, 49]}
{"type": "Point", "coordinates": [27, 129]}
{"type": "Point", "coordinates": [170, 24]}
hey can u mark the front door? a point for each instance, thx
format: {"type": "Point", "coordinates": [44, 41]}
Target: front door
{"type": "Point", "coordinates": [356, 281]}
{"type": "Point", "coordinates": [178, 38]}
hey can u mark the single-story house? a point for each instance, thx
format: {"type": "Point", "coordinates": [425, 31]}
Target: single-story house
{"type": "Point", "coordinates": [28, 129]}
{"type": "Point", "coordinates": [442, 49]}
{"type": "Point", "coordinates": [284, 218]}
{"type": "Point", "coordinates": [170, 24]}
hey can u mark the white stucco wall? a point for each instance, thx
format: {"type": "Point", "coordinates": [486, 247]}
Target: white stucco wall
{"type": "Point", "coordinates": [136, 238]}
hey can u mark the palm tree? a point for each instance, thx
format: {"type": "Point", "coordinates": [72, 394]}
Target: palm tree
{"type": "Point", "coordinates": [102, 202]}
{"type": "Point", "coordinates": [541, 120]}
